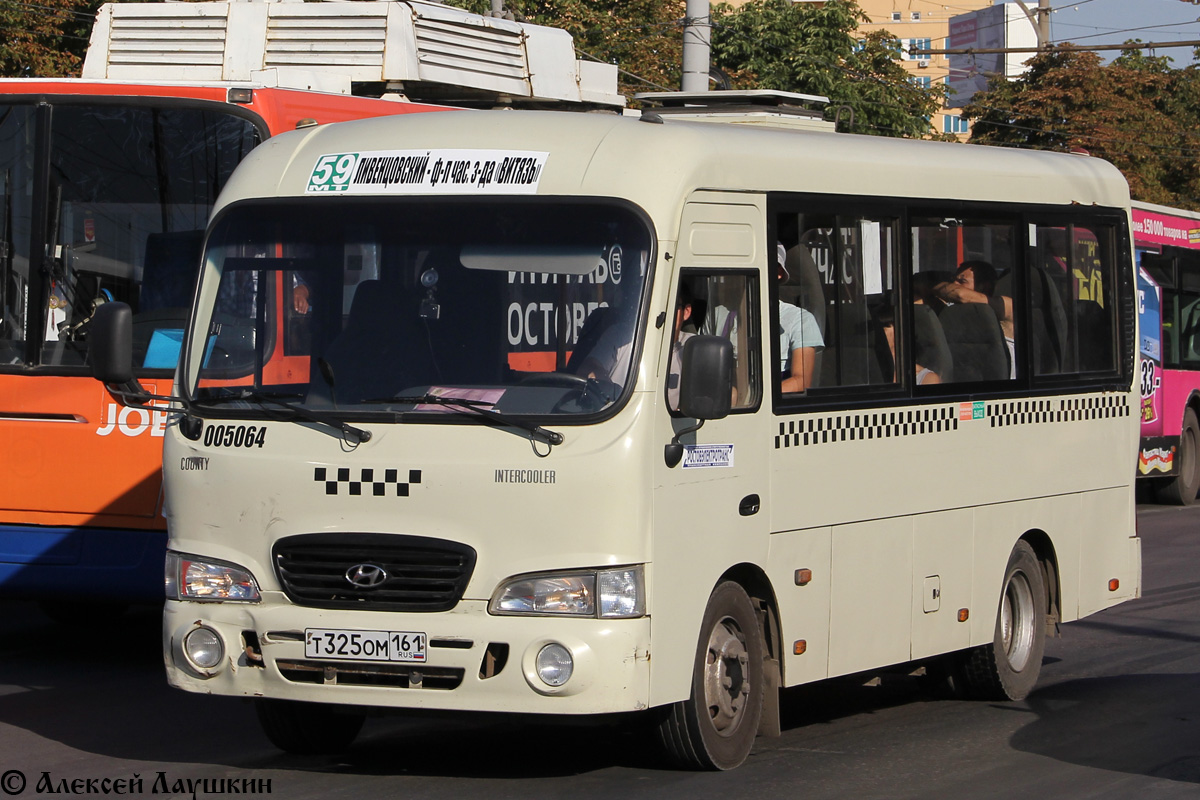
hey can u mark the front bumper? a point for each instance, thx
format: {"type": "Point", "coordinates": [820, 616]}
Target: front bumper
{"type": "Point", "coordinates": [476, 662]}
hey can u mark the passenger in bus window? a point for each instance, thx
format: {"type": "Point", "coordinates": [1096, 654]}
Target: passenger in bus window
{"type": "Point", "coordinates": [975, 282]}
{"type": "Point", "coordinates": [300, 293]}
{"type": "Point", "coordinates": [684, 306]}
{"type": "Point", "coordinates": [799, 339]}
{"type": "Point", "coordinates": [925, 375]}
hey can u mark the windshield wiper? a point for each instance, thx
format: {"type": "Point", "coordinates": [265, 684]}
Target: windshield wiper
{"type": "Point", "coordinates": [353, 434]}
{"type": "Point", "coordinates": [478, 408]}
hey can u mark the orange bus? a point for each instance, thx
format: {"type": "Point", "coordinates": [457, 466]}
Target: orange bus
{"type": "Point", "coordinates": [105, 190]}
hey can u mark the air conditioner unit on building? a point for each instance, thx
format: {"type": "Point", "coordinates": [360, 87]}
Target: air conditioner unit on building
{"type": "Point", "coordinates": [923, 63]}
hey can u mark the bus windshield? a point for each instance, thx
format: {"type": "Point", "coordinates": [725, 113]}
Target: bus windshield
{"type": "Point", "coordinates": [118, 206]}
{"type": "Point", "coordinates": [386, 306]}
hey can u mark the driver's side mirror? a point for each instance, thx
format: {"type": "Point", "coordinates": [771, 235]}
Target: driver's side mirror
{"type": "Point", "coordinates": [705, 386]}
{"type": "Point", "coordinates": [706, 377]}
{"type": "Point", "coordinates": [110, 344]}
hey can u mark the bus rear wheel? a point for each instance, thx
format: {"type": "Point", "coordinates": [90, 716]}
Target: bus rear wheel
{"type": "Point", "coordinates": [307, 728]}
{"type": "Point", "coordinates": [1007, 669]}
{"type": "Point", "coordinates": [715, 728]}
{"type": "Point", "coordinates": [1181, 490]}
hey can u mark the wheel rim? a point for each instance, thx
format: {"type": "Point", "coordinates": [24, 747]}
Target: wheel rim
{"type": "Point", "coordinates": [1017, 621]}
{"type": "Point", "coordinates": [726, 676]}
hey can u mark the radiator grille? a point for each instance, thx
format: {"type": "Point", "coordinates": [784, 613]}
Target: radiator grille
{"type": "Point", "coordinates": [413, 573]}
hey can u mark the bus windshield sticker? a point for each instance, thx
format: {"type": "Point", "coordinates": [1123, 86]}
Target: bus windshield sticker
{"type": "Point", "coordinates": [707, 455]}
{"type": "Point", "coordinates": [428, 172]}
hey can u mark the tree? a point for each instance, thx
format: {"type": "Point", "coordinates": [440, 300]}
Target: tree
{"type": "Point", "coordinates": [1136, 112]}
{"type": "Point", "coordinates": [44, 38]}
{"type": "Point", "coordinates": [811, 49]}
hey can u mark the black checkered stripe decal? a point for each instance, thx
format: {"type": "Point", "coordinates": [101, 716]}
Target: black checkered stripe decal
{"type": "Point", "coordinates": [372, 482]}
{"type": "Point", "coordinates": [1036, 412]}
{"type": "Point", "coordinates": [869, 426]}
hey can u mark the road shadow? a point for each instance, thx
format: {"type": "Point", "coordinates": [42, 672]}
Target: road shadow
{"type": "Point", "coordinates": [1137, 724]}
{"type": "Point", "coordinates": [98, 686]}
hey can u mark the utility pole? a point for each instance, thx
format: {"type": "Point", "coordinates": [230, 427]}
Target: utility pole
{"type": "Point", "coordinates": [697, 39]}
{"type": "Point", "coordinates": [1041, 24]}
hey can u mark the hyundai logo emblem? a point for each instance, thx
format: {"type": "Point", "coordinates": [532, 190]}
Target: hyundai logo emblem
{"type": "Point", "coordinates": [366, 576]}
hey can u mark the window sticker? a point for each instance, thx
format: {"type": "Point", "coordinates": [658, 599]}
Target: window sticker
{"type": "Point", "coordinates": [970, 411]}
{"type": "Point", "coordinates": [696, 456]}
{"type": "Point", "coordinates": [428, 172]}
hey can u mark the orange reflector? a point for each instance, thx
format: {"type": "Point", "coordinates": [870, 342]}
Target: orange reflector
{"type": "Point", "coordinates": [1113, 585]}
{"type": "Point", "coordinates": [803, 576]}
{"type": "Point", "coordinates": [964, 614]}
{"type": "Point", "coordinates": [799, 647]}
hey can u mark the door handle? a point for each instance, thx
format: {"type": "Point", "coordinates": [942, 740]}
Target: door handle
{"type": "Point", "coordinates": [750, 505]}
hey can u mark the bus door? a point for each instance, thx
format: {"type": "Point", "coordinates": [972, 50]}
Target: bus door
{"type": "Point", "coordinates": [1152, 458]}
{"type": "Point", "coordinates": [718, 491]}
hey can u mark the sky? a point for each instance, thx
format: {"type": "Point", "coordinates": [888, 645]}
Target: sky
{"type": "Point", "coordinates": [1088, 22]}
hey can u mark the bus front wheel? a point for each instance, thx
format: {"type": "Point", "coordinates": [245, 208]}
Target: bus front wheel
{"type": "Point", "coordinates": [1008, 668]}
{"type": "Point", "coordinates": [1181, 490]}
{"type": "Point", "coordinates": [307, 728]}
{"type": "Point", "coordinates": [716, 727]}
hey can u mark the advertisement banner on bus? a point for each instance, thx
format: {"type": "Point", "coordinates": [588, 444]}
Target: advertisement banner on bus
{"type": "Point", "coordinates": [1149, 316]}
{"type": "Point", "coordinates": [1150, 227]}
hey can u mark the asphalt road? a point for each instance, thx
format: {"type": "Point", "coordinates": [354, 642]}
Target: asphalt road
{"type": "Point", "coordinates": [1116, 715]}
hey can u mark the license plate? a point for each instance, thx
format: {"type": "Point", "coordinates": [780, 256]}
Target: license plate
{"type": "Point", "coordinates": [364, 645]}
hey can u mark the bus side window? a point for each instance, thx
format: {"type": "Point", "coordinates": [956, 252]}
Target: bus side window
{"type": "Point", "coordinates": [1161, 268]}
{"type": "Point", "coordinates": [1073, 301]}
{"type": "Point", "coordinates": [837, 280]}
{"type": "Point", "coordinates": [963, 271]}
{"type": "Point", "coordinates": [720, 303]}
{"type": "Point", "coordinates": [1187, 298]}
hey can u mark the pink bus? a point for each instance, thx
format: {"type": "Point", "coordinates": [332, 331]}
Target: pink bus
{"type": "Point", "coordinates": [1167, 243]}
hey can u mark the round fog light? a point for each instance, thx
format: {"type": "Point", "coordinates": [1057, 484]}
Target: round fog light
{"type": "Point", "coordinates": [204, 648]}
{"type": "Point", "coordinates": [554, 665]}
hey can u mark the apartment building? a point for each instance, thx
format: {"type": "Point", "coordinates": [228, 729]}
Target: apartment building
{"type": "Point", "coordinates": [923, 24]}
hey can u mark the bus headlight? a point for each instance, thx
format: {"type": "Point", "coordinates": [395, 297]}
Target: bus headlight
{"type": "Point", "coordinates": [608, 594]}
{"type": "Point", "coordinates": [207, 580]}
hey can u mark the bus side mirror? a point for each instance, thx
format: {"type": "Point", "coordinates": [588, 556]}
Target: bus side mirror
{"type": "Point", "coordinates": [110, 344]}
{"type": "Point", "coordinates": [706, 377]}
{"type": "Point", "coordinates": [705, 386]}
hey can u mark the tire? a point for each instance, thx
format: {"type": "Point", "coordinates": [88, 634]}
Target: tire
{"type": "Point", "coordinates": [715, 727]}
{"type": "Point", "coordinates": [1181, 490]}
{"type": "Point", "coordinates": [1007, 669]}
{"type": "Point", "coordinates": [307, 728]}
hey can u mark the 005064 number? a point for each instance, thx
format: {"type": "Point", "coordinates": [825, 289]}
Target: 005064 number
{"type": "Point", "coordinates": [235, 436]}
